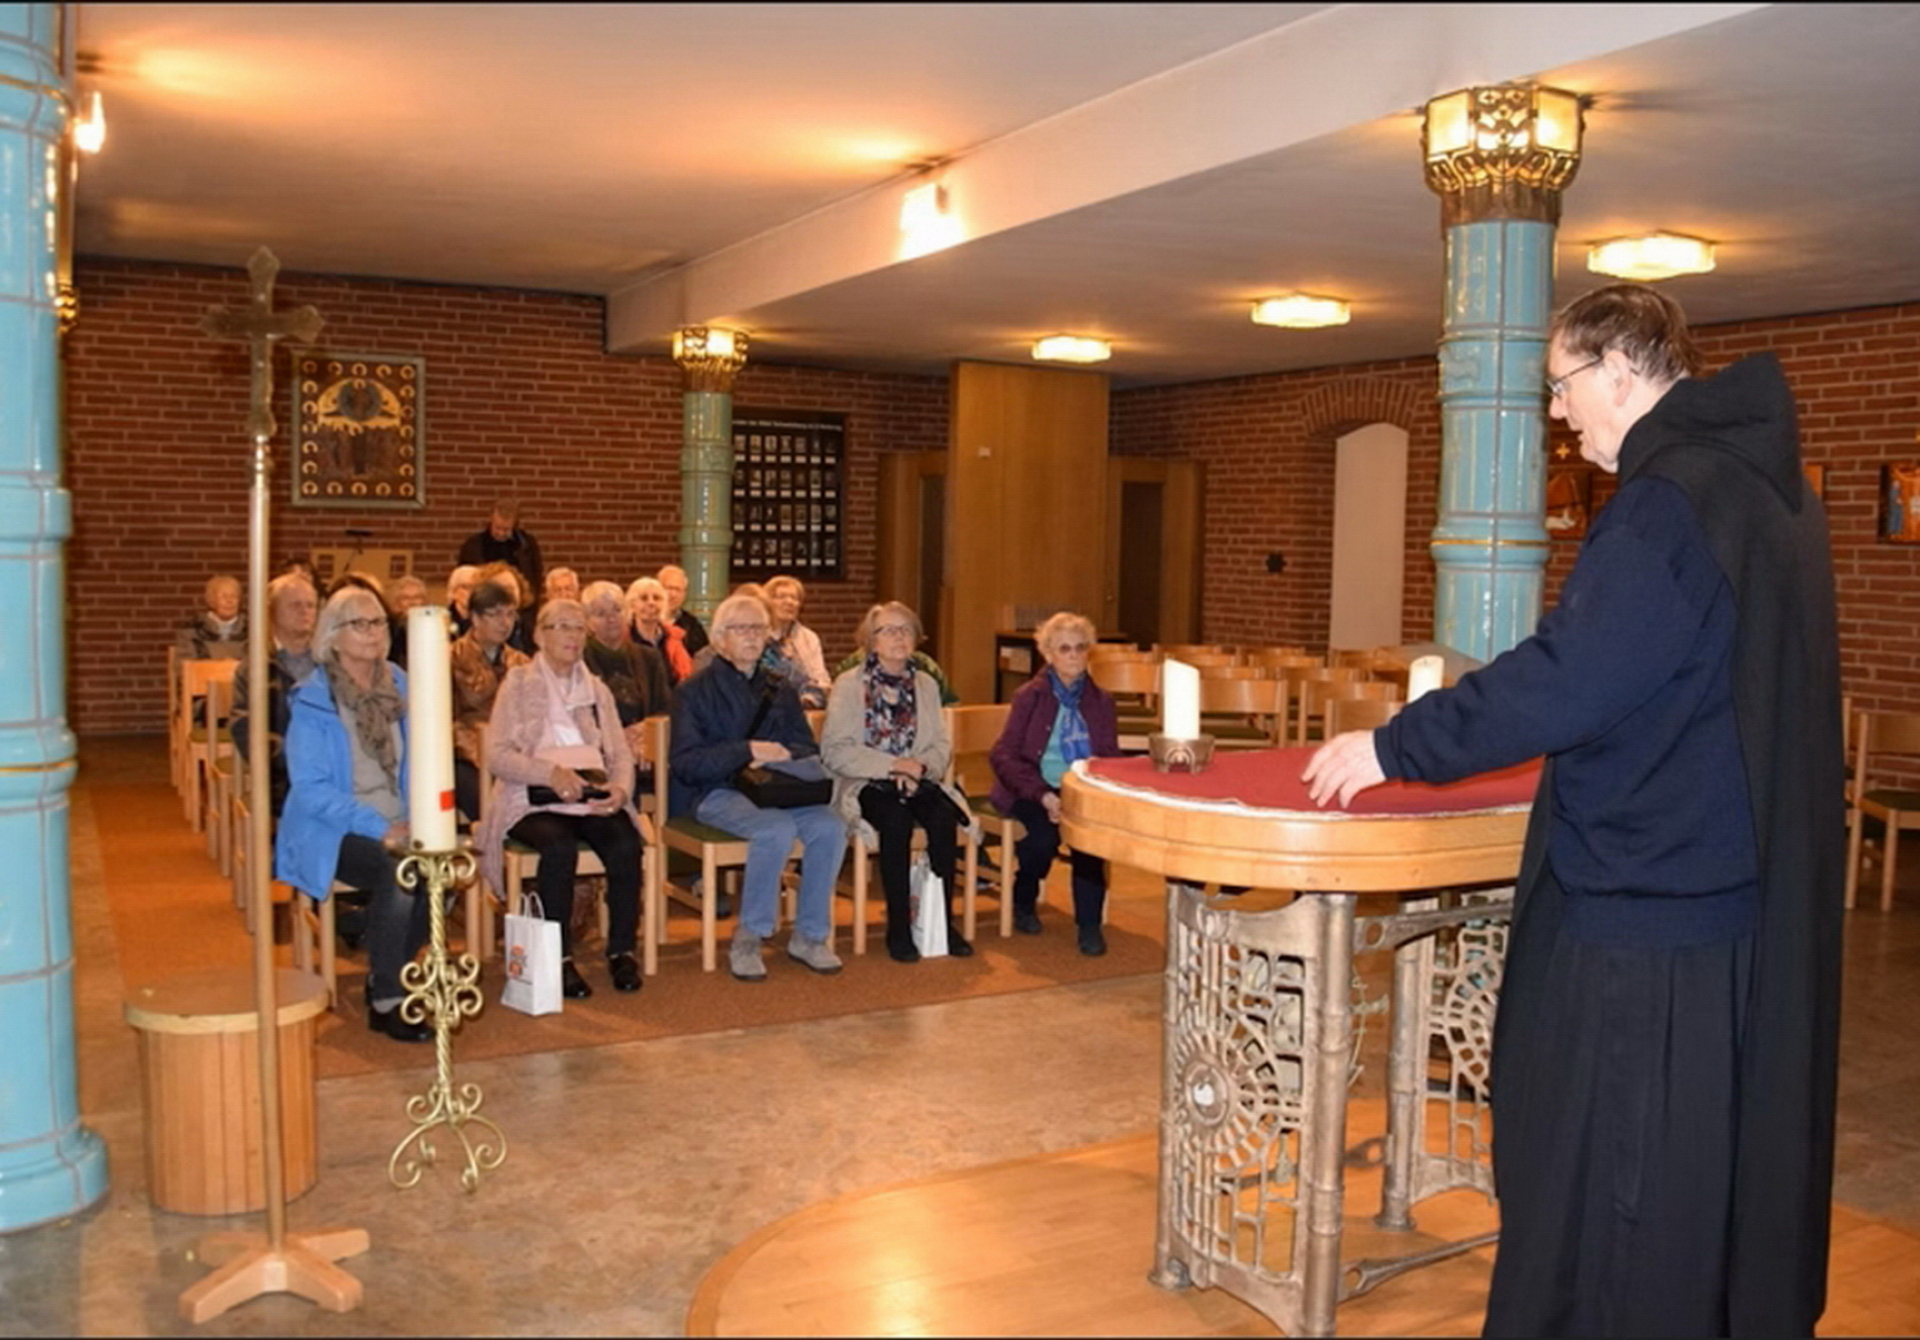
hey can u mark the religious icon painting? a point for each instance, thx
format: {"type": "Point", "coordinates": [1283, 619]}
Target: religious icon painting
{"type": "Point", "coordinates": [1900, 502]}
{"type": "Point", "coordinates": [1569, 501]}
{"type": "Point", "coordinates": [359, 430]}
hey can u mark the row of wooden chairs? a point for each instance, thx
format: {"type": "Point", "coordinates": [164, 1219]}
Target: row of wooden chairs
{"type": "Point", "coordinates": [1875, 739]}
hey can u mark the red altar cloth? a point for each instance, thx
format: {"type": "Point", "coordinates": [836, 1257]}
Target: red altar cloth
{"type": "Point", "coordinates": [1269, 779]}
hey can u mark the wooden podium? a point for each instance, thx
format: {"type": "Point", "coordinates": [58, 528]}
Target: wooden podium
{"type": "Point", "coordinates": [1260, 1044]}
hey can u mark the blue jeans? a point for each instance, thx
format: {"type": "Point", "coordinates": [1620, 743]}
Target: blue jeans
{"type": "Point", "coordinates": [770, 835]}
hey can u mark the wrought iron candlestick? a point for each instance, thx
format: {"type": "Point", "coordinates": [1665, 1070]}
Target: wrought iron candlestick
{"type": "Point", "coordinates": [443, 991]}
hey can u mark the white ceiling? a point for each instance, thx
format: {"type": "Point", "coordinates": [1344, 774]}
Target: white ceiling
{"type": "Point", "coordinates": [1133, 171]}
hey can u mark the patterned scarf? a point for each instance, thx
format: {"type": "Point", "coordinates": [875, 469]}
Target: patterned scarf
{"type": "Point", "coordinates": [1075, 742]}
{"type": "Point", "coordinates": [891, 711]}
{"type": "Point", "coordinates": [375, 712]}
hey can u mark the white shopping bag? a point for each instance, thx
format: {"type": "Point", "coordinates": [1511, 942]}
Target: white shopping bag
{"type": "Point", "coordinates": [533, 960]}
{"type": "Point", "coordinates": [927, 901]}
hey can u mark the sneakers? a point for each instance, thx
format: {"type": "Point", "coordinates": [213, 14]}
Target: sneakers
{"type": "Point", "coordinates": [743, 959]}
{"type": "Point", "coordinates": [814, 954]}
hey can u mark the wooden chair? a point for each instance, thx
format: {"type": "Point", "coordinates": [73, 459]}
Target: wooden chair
{"type": "Point", "coordinates": [1876, 735]}
{"type": "Point", "coordinates": [176, 720]}
{"type": "Point", "coordinates": [1333, 682]}
{"type": "Point", "coordinates": [717, 849]}
{"type": "Point", "coordinates": [1134, 687]}
{"type": "Point", "coordinates": [1234, 672]}
{"type": "Point", "coordinates": [1201, 658]}
{"type": "Point", "coordinates": [1345, 714]}
{"type": "Point", "coordinates": [1106, 652]}
{"type": "Point", "coordinates": [1243, 713]}
{"type": "Point", "coordinates": [974, 731]}
{"type": "Point", "coordinates": [204, 730]}
{"type": "Point", "coordinates": [1278, 655]}
{"type": "Point", "coordinates": [220, 774]}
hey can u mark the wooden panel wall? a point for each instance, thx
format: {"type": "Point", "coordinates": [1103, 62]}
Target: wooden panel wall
{"type": "Point", "coordinates": [1026, 506]}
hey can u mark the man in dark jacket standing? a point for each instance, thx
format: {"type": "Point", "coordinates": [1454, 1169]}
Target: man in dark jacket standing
{"type": "Point", "coordinates": [504, 542]}
{"type": "Point", "coordinates": [1665, 1056]}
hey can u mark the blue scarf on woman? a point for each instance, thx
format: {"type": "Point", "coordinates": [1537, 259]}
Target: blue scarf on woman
{"type": "Point", "coordinates": [1070, 727]}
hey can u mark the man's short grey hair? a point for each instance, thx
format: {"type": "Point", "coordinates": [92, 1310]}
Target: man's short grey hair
{"type": "Point", "coordinates": [640, 584]}
{"type": "Point", "coordinates": [408, 583]}
{"type": "Point", "coordinates": [282, 586]}
{"type": "Point", "coordinates": [1060, 625]}
{"type": "Point", "coordinates": [462, 576]}
{"type": "Point", "coordinates": [599, 594]}
{"type": "Point", "coordinates": [344, 604]}
{"type": "Point", "coordinates": [749, 607]}
{"type": "Point", "coordinates": [215, 582]}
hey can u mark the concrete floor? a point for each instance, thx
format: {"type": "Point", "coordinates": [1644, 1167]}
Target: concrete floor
{"type": "Point", "coordinates": [633, 1168]}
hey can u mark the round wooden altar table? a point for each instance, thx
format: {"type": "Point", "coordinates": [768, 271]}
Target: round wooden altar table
{"type": "Point", "coordinates": [1258, 1025]}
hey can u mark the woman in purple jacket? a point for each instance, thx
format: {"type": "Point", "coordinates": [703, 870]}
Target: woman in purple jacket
{"type": "Point", "coordinates": [1058, 716]}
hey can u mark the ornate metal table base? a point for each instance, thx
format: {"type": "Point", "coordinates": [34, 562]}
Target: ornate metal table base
{"type": "Point", "coordinates": [443, 992]}
{"type": "Point", "coordinates": [1259, 1050]}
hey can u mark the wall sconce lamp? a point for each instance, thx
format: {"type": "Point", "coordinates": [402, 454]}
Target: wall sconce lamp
{"type": "Point", "coordinates": [1504, 151]}
{"type": "Point", "coordinates": [925, 223]}
{"type": "Point", "coordinates": [1656, 256]}
{"type": "Point", "coordinates": [1072, 349]}
{"type": "Point", "coordinates": [711, 355]}
{"type": "Point", "coordinates": [90, 129]}
{"type": "Point", "coordinates": [1301, 311]}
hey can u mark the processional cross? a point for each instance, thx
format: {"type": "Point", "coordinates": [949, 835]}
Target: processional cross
{"type": "Point", "coordinates": [300, 1263]}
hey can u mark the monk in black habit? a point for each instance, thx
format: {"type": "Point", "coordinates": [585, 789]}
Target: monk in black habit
{"type": "Point", "coordinates": [1666, 1053]}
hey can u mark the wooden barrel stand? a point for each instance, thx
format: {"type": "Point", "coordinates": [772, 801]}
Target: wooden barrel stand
{"type": "Point", "coordinates": [200, 1080]}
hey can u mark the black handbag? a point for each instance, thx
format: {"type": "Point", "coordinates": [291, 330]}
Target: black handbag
{"type": "Point", "coordinates": [773, 789]}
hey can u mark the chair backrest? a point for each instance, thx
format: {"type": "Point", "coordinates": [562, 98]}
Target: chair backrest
{"type": "Point", "coordinates": [1122, 678]}
{"type": "Point", "coordinates": [1882, 733]}
{"type": "Point", "coordinates": [1234, 672]}
{"type": "Point", "coordinates": [1279, 656]}
{"type": "Point", "coordinates": [196, 675]}
{"type": "Point", "coordinates": [1360, 656]}
{"type": "Point", "coordinates": [1345, 714]}
{"type": "Point", "coordinates": [173, 683]}
{"type": "Point", "coordinates": [1201, 656]}
{"type": "Point", "coordinates": [656, 749]}
{"type": "Point", "coordinates": [1119, 651]}
{"type": "Point", "coordinates": [816, 722]}
{"type": "Point", "coordinates": [1315, 690]}
{"type": "Point", "coordinates": [1265, 700]}
{"type": "Point", "coordinates": [974, 729]}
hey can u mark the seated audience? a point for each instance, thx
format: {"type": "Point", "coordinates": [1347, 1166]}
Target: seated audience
{"type": "Point", "coordinates": [346, 817]}
{"type": "Point", "coordinates": [647, 603]}
{"type": "Point", "coordinates": [408, 591]}
{"type": "Point", "coordinates": [633, 673]}
{"type": "Point", "coordinates": [799, 644]}
{"type": "Point", "coordinates": [1058, 716]}
{"type": "Point", "coordinates": [479, 661]}
{"type": "Point", "coordinates": [219, 631]}
{"type": "Point", "coordinates": [885, 740]}
{"type": "Point", "coordinates": [562, 776]}
{"type": "Point", "coordinates": [725, 716]}
{"type": "Point", "coordinates": [504, 575]}
{"type": "Point", "coordinates": [459, 588]}
{"type": "Point", "coordinates": [561, 584]}
{"type": "Point", "coordinates": [673, 580]}
{"type": "Point", "coordinates": [291, 609]}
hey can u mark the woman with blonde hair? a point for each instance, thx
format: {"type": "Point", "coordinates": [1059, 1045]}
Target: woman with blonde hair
{"type": "Point", "coordinates": [1057, 717]}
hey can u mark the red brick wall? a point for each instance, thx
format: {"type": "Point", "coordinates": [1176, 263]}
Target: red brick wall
{"type": "Point", "coordinates": [520, 401]}
{"type": "Point", "coordinates": [1266, 442]}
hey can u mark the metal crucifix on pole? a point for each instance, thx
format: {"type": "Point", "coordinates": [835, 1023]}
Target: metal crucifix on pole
{"type": "Point", "coordinates": [301, 1263]}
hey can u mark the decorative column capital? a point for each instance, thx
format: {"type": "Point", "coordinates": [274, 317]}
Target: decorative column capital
{"type": "Point", "coordinates": [711, 355]}
{"type": "Point", "coordinates": [1505, 151]}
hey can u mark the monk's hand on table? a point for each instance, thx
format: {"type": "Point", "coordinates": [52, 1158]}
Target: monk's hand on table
{"type": "Point", "coordinates": [1342, 768]}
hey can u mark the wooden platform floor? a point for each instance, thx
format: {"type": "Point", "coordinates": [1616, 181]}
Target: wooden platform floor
{"type": "Point", "coordinates": [1061, 1244]}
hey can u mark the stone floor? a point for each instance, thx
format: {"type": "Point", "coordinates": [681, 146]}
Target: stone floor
{"type": "Point", "coordinates": [634, 1168]}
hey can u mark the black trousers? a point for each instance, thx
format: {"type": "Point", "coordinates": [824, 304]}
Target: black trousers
{"type": "Point", "coordinates": [894, 814]}
{"type": "Point", "coordinates": [614, 839]}
{"type": "Point", "coordinates": [466, 788]}
{"type": "Point", "coordinates": [396, 918]}
{"type": "Point", "coordinates": [1615, 1076]}
{"type": "Point", "coordinates": [1034, 854]}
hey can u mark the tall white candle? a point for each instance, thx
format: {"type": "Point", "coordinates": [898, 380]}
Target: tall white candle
{"type": "Point", "coordinates": [1179, 700]}
{"type": "Point", "coordinates": [1425, 675]}
{"type": "Point", "coordinates": [430, 808]}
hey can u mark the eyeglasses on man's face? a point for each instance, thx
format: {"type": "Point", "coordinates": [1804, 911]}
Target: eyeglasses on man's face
{"type": "Point", "coordinates": [747, 629]}
{"type": "Point", "coordinates": [1557, 386]}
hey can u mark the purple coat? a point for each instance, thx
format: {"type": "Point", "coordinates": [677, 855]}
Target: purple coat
{"type": "Point", "coordinates": [1016, 754]}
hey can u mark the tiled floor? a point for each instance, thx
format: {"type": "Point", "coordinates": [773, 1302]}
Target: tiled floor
{"type": "Point", "coordinates": [634, 1168]}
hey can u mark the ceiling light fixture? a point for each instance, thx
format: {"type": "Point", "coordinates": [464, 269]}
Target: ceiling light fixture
{"type": "Point", "coordinates": [1301, 311]}
{"type": "Point", "coordinates": [1072, 349]}
{"type": "Point", "coordinates": [1654, 257]}
{"type": "Point", "coordinates": [90, 131]}
{"type": "Point", "coordinates": [1505, 151]}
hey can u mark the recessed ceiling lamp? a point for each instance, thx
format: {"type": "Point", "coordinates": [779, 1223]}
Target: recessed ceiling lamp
{"type": "Point", "coordinates": [1072, 349]}
{"type": "Point", "coordinates": [1659, 256]}
{"type": "Point", "coordinates": [1301, 311]}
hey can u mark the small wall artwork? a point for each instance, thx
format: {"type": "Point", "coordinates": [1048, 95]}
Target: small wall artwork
{"type": "Point", "coordinates": [359, 430]}
{"type": "Point", "coordinates": [1900, 502]}
{"type": "Point", "coordinates": [1569, 501]}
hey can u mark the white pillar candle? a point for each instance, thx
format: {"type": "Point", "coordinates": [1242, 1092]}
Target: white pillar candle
{"type": "Point", "coordinates": [430, 808]}
{"type": "Point", "coordinates": [1424, 675]}
{"type": "Point", "coordinates": [1179, 700]}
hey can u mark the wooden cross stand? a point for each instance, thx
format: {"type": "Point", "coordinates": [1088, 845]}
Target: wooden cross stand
{"type": "Point", "coordinates": [299, 1263]}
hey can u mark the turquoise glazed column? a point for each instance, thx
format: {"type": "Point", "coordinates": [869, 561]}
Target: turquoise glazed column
{"type": "Point", "coordinates": [711, 357]}
{"type": "Point", "coordinates": [1499, 159]}
{"type": "Point", "coordinates": [50, 1165]}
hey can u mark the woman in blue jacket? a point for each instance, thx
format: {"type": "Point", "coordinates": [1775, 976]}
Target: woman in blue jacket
{"type": "Point", "coordinates": [346, 815]}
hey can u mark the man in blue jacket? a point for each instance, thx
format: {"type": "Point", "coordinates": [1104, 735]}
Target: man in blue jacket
{"type": "Point", "coordinates": [1665, 1057]}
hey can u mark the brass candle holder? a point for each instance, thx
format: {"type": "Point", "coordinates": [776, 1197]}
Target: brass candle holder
{"type": "Point", "coordinates": [1171, 751]}
{"type": "Point", "coordinates": [443, 992]}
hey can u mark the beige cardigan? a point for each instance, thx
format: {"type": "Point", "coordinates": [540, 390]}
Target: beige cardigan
{"type": "Point", "coordinates": [519, 720]}
{"type": "Point", "coordinates": [853, 762]}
